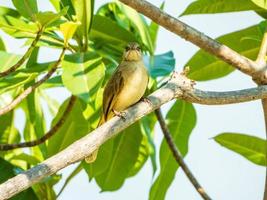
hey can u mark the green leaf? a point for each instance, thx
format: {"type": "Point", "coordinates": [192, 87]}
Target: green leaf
{"type": "Point", "coordinates": [7, 60]}
{"type": "Point", "coordinates": [8, 133]}
{"type": "Point", "coordinates": [74, 128]}
{"type": "Point", "coordinates": [35, 125]}
{"type": "Point", "coordinates": [16, 27]}
{"type": "Point", "coordinates": [48, 17]}
{"type": "Point", "coordinates": [220, 6]}
{"type": "Point", "coordinates": [52, 103]}
{"type": "Point", "coordinates": [8, 171]}
{"type": "Point", "coordinates": [27, 8]}
{"type": "Point", "coordinates": [4, 11]}
{"type": "Point", "coordinates": [181, 119]}
{"type": "Point", "coordinates": [56, 4]}
{"type": "Point", "coordinates": [204, 66]}
{"type": "Point", "coordinates": [124, 155]}
{"type": "Point", "coordinates": [83, 74]}
{"type": "Point", "coordinates": [160, 65]}
{"type": "Point", "coordinates": [12, 82]}
{"type": "Point", "coordinates": [250, 147]}
{"type": "Point", "coordinates": [68, 29]}
{"type": "Point", "coordinates": [140, 24]}
{"type": "Point", "coordinates": [84, 10]}
{"type": "Point", "coordinates": [2, 45]}
{"type": "Point", "coordinates": [260, 3]}
{"type": "Point", "coordinates": [101, 27]}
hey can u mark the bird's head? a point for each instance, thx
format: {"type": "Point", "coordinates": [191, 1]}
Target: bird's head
{"type": "Point", "coordinates": [132, 52]}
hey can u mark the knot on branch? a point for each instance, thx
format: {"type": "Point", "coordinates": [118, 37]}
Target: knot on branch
{"type": "Point", "coordinates": [181, 80]}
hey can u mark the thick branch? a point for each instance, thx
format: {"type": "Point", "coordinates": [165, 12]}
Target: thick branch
{"type": "Point", "coordinates": [50, 133]}
{"type": "Point", "coordinates": [188, 33]}
{"type": "Point", "coordinates": [177, 87]}
{"type": "Point", "coordinates": [262, 61]}
{"type": "Point", "coordinates": [30, 89]}
{"type": "Point", "coordinates": [24, 57]}
{"type": "Point", "coordinates": [178, 156]}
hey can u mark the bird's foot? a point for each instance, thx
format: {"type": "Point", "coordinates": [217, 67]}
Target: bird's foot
{"type": "Point", "coordinates": [120, 114]}
{"type": "Point", "coordinates": [146, 100]}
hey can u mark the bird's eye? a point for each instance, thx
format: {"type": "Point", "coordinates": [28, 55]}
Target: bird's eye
{"type": "Point", "coordinates": [127, 48]}
{"type": "Point", "coordinates": [138, 48]}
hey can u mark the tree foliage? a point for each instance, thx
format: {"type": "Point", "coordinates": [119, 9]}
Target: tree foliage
{"type": "Point", "coordinates": [93, 52]}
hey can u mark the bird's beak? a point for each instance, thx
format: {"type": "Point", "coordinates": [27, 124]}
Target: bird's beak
{"type": "Point", "coordinates": [133, 55]}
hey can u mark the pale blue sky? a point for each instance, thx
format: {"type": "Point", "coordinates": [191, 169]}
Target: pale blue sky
{"type": "Point", "coordinates": [225, 175]}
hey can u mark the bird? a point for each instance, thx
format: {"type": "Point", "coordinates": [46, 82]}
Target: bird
{"type": "Point", "coordinates": [126, 87]}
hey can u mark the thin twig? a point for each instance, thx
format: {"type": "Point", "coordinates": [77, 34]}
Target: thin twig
{"type": "Point", "coordinates": [24, 57]}
{"type": "Point", "coordinates": [178, 156]}
{"type": "Point", "coordinates": [196, 37]}
{"type": "Point", "coordinates": [26, 92]}
{"type": "Point", "coordinates": [30, 89]}
{"type": "Point", "coordinates": [50, 133]}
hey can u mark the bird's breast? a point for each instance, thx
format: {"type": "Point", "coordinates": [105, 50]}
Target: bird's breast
{"type": "Point", "coordinates": [135, 83]}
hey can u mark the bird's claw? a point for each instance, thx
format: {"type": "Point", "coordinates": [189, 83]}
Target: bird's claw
{"type": "Point", "coordinates": [120, 114]}
{"type": "Point", "coordinates": [146, 100]}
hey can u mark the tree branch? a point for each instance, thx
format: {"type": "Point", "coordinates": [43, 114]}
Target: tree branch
{"type": "Point", "coordinates": [261, 60]}
{"type": "Point", "coordinates": [177, 87]}
{"type": "Point", "coordinates": [196, 37]}
{"type": "Point", "coordinates": [30, 89]}
{"type": "Point", "coordinates": [50, 133]}
{"type": "Point", "coordinates": [178, 157]}
{"type": "Point", "coordinates": [24, 57]}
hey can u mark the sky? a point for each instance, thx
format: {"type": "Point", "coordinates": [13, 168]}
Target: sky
{"type": "Point", "coordinates": [224, 174]}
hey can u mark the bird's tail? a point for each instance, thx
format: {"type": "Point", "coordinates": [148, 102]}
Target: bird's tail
{"type": "Point", "coordinates": [92, 157]}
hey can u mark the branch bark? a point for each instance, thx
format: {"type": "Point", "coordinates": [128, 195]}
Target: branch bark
{"type": "Point", "coordinates": [177, 87]}
{"type": "Point", "coordinates": [50, 133]}
{"type": "Point", "coordinates": [178, 156]}
{"type": "Point", "coordinates": [261, 60]}
{"type": "Point", "coordinates": [185, 31]}
{"type": "Point", "coordinates": [30, 89]}
{"type": "Point", "coordinates": [24, 57]}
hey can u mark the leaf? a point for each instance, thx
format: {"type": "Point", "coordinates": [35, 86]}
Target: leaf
{"type": "Point", "coordinates": [160, 65]}
{"type": "Point", "coordinates": [27, 8]}
{"type": "Point", "coordinates": [56, 4]}
{"type": "Point", "coordinates": [8, 171]}
{"type": "Point", "coordinates": [35, 124]}
{"type": "Point", "coordinates": [2, 45]}
{"type": "Point", "coordinates": [4, 11]}
{"type": "Point", "coordinates": [139, 23]}
{"type": "Point", "coordinates": [8, 83]}
{"type": "Point", "coordinates": [83, 74]}
{"type": "Point", "coordinates": [8, 133]}
{"type": "Point", "coordinates": [124, 155]}
{"type": "Point", "coordinates": [260, 3]}
{"type": "Point", "coordinates": [250, 147]}
{"type": "Point", "coordinates": [7, 60]}
{"type": "Point", "coordinates": [181, 119]}
{"type": "Point", "coordinates": [204, 66]}
{"type": "Point", "coordinates": [74, 128]}
{"type": "Point", "coordinates": [101, 27]}
{"type": "Point", "coordinates": [84, 10]}
{"type": "Point", "coordinates": [68, 29]}
{"type": "Point", "coordinates": [52, 103]}
{"type": "Point", "coordinates": [220, 6]}
{"type": "Point", "coordinates": [16, 27]}
{"type": "Point", "coordinates": [48, 17]}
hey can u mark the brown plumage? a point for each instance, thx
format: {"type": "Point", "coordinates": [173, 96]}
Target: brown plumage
{"type": "Point", "coordinates": [126, 86]}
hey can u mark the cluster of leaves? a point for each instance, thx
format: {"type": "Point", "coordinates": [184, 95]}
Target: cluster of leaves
{"type": "Point", "coordinates": [95, 51]}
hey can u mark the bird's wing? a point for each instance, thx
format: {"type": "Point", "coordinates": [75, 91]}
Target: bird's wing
{"type": "Point", "coordinates": [112, 89]}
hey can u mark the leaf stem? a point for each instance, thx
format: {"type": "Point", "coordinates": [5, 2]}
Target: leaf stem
{"type": "Point", "coordinates": [30, 89]}
{"type": "Point", "coordinates": [178, 156]}
{"type": "Point", "coordinates": [24, 57]}
{"type": "Point", "coordinates": [50, 133]}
